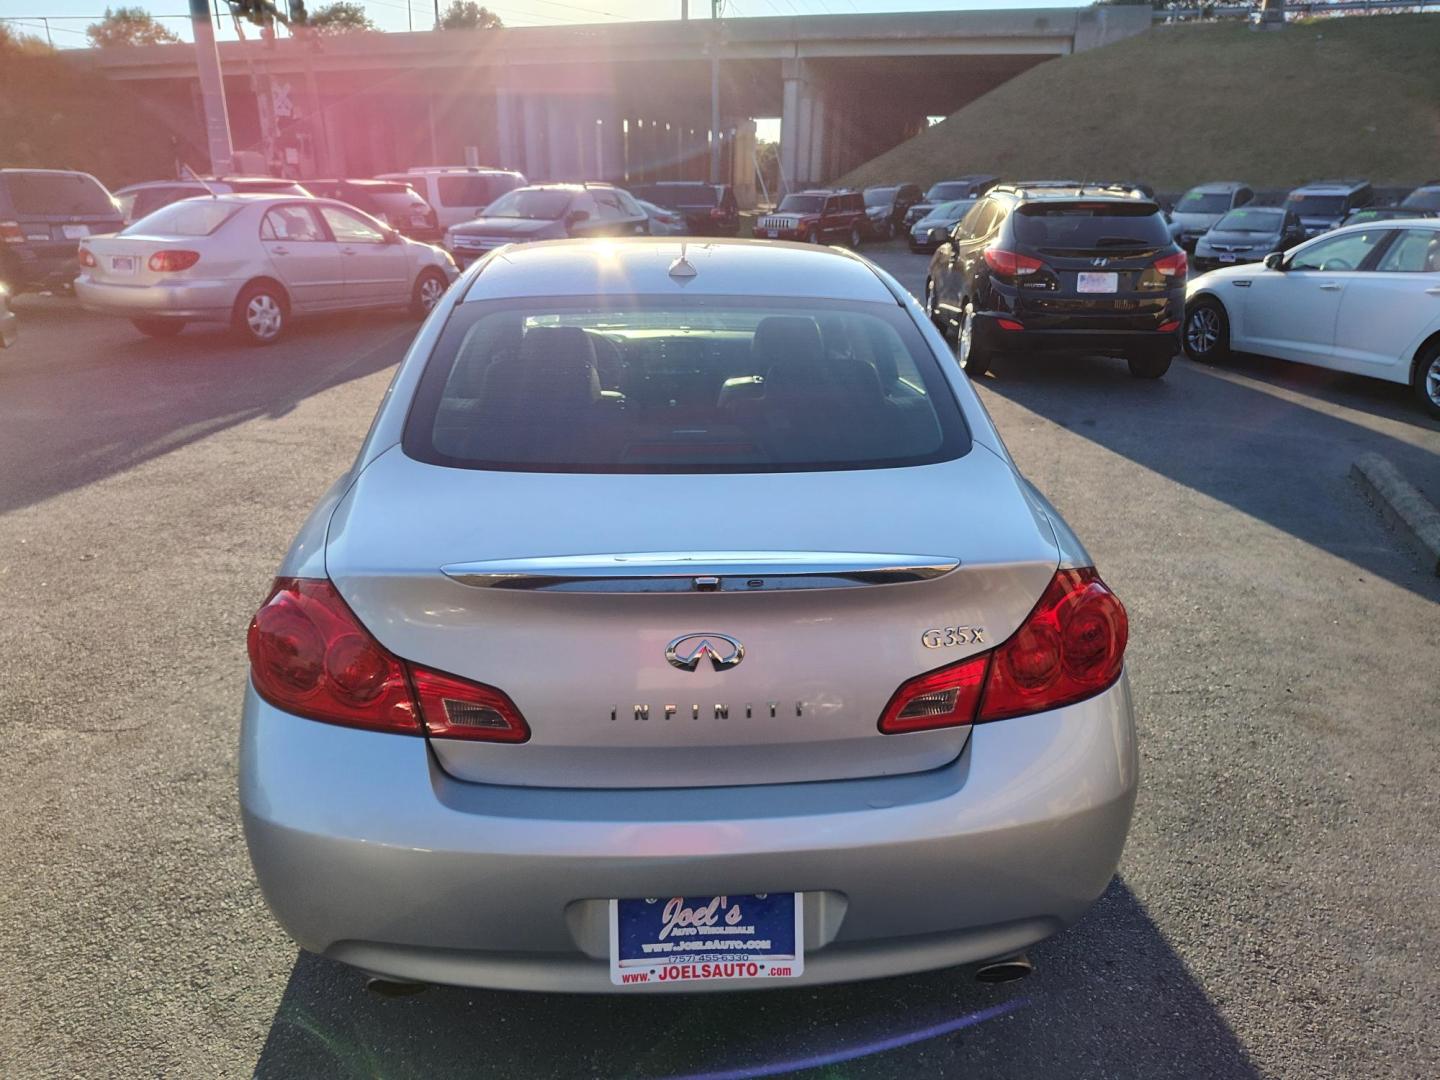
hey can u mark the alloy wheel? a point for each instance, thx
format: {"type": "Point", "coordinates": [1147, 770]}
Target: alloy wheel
{"type": "Point", "coordinates": [431, 290]}
{"type": "Point", "coordinates": [1432, 382]}
{"type": "Point", "coordinates": [967, 333]}
{"type": "Point", "coordinates": [1202, 330]}
{"type": "Point", "coordinates": [263, 316]}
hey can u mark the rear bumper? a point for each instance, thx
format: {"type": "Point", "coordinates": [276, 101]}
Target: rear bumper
{"type": "Point", "coordinates": [1203, 264]}
{"type": "Point", "coordinates": [368, 853]}
{"type": "Point", "coordinates": [199, 300]}
{"type": "Point", "coordinates": [25, 269]}
{"type": "Point", "coordinates": [1073, 335]}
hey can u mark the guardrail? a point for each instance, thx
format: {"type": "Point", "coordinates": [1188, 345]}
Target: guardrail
{"type": "Point", "coordinates": [1296, 9]}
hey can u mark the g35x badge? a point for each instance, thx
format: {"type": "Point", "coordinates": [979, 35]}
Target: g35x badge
{"type": "Point", "coordinates": [945, 636]}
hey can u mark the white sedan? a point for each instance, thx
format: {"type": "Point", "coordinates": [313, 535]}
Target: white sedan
{"type": "Point", "coordinates": [252, 261]}
{"type": "Point", "coordinates": [1364, 299]}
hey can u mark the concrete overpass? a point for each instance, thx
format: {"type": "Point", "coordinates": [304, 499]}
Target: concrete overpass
{"type": "Point", "coordinates": [624, 101]}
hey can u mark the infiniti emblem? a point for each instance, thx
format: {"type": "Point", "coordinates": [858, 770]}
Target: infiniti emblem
{"type": "Point", "coordinates": [687, 652]}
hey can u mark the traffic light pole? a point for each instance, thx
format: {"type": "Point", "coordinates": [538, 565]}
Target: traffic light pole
{"type": "Point", "coordinates": [212, 91]}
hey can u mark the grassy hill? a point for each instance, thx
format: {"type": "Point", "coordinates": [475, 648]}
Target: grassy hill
{"type": "Point", "coordinates": [1181, 104]}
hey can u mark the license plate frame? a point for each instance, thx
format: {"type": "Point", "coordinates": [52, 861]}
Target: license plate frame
{"type": "Point", "coordinates": [1102, 281]}
{"type": "Point", "coordinates": [1229, 257]}
{"type": "Point", "coordinates": [681, 940]}
{"type": "Point", "coordinates": [75, 232]}
{"type": "Point", "coordinates": [124, 265]}
{"type": "Point", "coordinates": [772, 234]}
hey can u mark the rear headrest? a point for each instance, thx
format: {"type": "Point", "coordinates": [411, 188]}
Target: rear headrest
{"type": "Point", "coordinates": [555, 368]}
{"type": "Point", "coordinates": [787, 339]}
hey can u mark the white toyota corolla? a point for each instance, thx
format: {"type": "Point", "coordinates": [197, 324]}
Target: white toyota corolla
{"type": "Point", "coordinates": [683, 623]}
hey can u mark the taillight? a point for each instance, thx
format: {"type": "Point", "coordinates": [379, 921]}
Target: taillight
{"type": "Point", "coordinates": [311, 656]}
{"type": "Point", "coordinates": [1173, 266]}
{"type": "Point", "coordinates": [1071, 647]}
{"type": "Point", "coordinates": [86, 257]}
{"type": "Point", "coordinates": [10, 232]}
{"type": "Point", "coordinates": [166, 261]}
{"type": "Point", "coordinates": [1012, 263]}
{"type": "Point", "coordinates": [946, 697]}
{"type": "Point", "coordinates": [717, 212]}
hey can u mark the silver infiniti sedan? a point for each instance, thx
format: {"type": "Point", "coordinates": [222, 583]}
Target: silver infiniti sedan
{"type": "Point", "coordinates": [253, 261]}
{"type": "Point", "coordinates": [683, 623]}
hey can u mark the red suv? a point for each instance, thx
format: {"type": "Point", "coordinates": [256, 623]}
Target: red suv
{"type": "Point", "coordinates": [816, 217]}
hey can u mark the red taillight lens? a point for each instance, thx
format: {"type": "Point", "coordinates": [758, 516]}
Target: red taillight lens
{"type": "Point", "coordinates": [166, 261]}
{"type": "Point", "coordinates": [458, 709]}
{"type": "Point", "coordinates": [1173, 266]}
{"type": "Point", "coordinates": [1009, 324]}
{"type": "Point", "coordinates": [1071, 647]}
{"type": "Point", "coordinates": [1012, 263]}
{"type": "Point", "coordinates": [87, 257]}
{"type": "Point", "coordinates": [311, 656]}
{"type": "Point", "coordinates": [943, 698]}
{"type": "Point", "coordinates": [717, 212]}
{"type": "Point", "coordinates": [10, 232]}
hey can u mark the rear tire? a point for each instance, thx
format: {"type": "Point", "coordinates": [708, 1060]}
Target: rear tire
{"type": "Point", "coordinates": [261, 314]}
{"type": "Point", "coordinates": [974, 359]}
{"type": "Point", "coordinates": [932, 309]}
{"type": "Point", "coordinates": [158, 328]}
{"type": "Point", "coordinates": [430, 286]}
{"type": "Point", "coordinates": [813, 236]}
{"type": "Point", "coordinates": [1206, 334]}
{"type": "Point", "coordinates": [1148, 365]}
{"type": "Point", "coordinates": [855, 237]}
{"type": "Point", "coordinates": [1427, 380]}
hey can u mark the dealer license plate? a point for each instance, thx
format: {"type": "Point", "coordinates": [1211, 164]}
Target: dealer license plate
{"type": "Point", "coordinates": [690, 939]}
{"type": "Point", "coordinates": [75, 232]}
{"type": "Point", "coordinates": [122, 264]}
{"type": "Point", "coordinates": [1097, 283]}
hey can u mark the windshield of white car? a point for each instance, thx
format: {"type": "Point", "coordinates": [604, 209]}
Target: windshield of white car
{"type": "Point", "coordinates": [1262, 219]}
{"type": "Point", "coordinates": [710, 385]}
{"type": "Point", "coordinates": [1203, 202]}
{"type": "Point", "coordinates": [802, 204]}
{"type": "Point", "coordinates": [540, 204]}
{"type": "Point", "coordinates": [188, 217]}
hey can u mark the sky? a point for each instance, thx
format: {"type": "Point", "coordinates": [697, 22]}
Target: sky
{"type": "Point", "coordinates": [68, 18]}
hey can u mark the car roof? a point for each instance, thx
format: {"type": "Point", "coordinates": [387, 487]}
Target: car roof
{"type": "Point", "coordinates": [1392, 223]}
{"type": "Point", "coordinates": [640, 266]}
{"type": "Point", "coordinates": [1220, 186]}
{"type": "Point", "coordinates": [1331, 187]}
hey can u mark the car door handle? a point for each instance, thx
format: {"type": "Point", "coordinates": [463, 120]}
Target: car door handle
{"type": "Point", "coordinates": [279, 251]}
{"type": "Point", "coordinates": [1433, 292]}
{"type": "Point", "coordinates": [1330, 286]}
{"type": "Point", "coordinates": [351, 251]}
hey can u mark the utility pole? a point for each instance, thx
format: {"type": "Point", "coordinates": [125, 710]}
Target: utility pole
{"type": "Point", "coordinates": [684, 10]}
{"type": "Point", "coordinates": [212, 90]}
{"type": "Point", "coordinates": [715, 91]}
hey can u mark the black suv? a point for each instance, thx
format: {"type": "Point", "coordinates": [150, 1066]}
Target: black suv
{"type": "Point", "coordinates": [1090, 269]}
{"type": "Point", "coordinates": [708, 209]}
{"type": "Point", "coordinates": [886, 207]}
{"type": "Point", "coordinates": [43, 215]}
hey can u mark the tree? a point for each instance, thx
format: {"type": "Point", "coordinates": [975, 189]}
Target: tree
{"type": "Point", "coordinates": [344, 17]}
{"type": "Point", "coordinates": [128, 26]}
{"type": "Point", "coordinates": [468, 15]}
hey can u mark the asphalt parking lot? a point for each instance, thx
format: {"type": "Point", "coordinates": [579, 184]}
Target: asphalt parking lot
{"type": "Point", "coordinates": [1277, 912]}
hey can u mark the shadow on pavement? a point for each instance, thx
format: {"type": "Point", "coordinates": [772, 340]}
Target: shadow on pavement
{"type": "Point", "coordinates": [85, 397]}
{"type": "Point", "coordinates": [1282, 462]}
{"type": "Point", "coordinates": [1109, 997]}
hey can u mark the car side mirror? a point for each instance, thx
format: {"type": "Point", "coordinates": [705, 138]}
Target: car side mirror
{"type": "Point", "coordinates": [1275, 261]}
{"type": "Point", "coordinates": [392, 236]}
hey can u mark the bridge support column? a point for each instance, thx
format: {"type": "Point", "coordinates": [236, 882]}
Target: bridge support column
{"type": "Point", "coordinates": [795, 125]}
{"type": "Point", "coordinates": [818, 120]}
{"type": "Point", "coordinates": [505, 150]}
{"type": "Point", "coordinates": [533, 111]}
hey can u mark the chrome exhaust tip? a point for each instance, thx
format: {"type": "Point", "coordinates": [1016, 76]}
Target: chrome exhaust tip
{"type": "Point", "coordinates": [393, 988]}
{"type": "Point", "coordinates": [1010, 969]}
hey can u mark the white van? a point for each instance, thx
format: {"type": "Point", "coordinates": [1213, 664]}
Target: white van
{"type": "Point", "coordinates": [459, 192]}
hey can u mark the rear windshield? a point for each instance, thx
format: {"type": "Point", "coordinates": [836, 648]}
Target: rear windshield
{"type": "Point", "coordinates": [720, 384]}
{"type": "Point", "coordinates": [1252, 219]}
{"type": "Point", "coordinates": [1202, 202]}
{"type": "Point", "coordinates": [1316, 205]}
{"type": "Point", "coordinates": [802, 204]}
{"type": "Point", "coordinates": [1064, 226]}
{"type": "Point", "coordinates": [1424, 199]}
{"type": "Point", "coordinates": [880, 196]}
{"type": "Point", "coordinates": [678, 197]}
{"type": "Point", "coordinates": [39, 194]}
{"type": "Point", "coordinates": [951, 190]}
{"type": "Point", "coordinates": [189, 217]}
{"type": "Point", "coordinates": [479, 191]}
{"type": "Point", "coordinates": [543, 204]}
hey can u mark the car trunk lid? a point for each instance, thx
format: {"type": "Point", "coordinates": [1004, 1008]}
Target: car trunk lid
{"type": "Point", "coordinates": [566, 591]}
